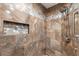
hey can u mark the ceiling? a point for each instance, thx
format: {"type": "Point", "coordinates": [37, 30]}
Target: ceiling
{"type": "Point", "coordinates": [48, 5]}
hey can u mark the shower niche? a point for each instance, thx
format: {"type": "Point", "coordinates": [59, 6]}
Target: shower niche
{"type": "Point", "coordinates": [14, 28]}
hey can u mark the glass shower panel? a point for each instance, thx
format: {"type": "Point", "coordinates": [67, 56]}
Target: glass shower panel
{"type": "Point", "coordinates": [77, 24]}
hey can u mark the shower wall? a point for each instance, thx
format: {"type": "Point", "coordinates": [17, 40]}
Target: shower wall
{"type": "Point", "coordinates": [49, 32]}
{"type": "Point", "coordinates": [54, 31]}
{"type": "Point", "coordinates": [32, 43]}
